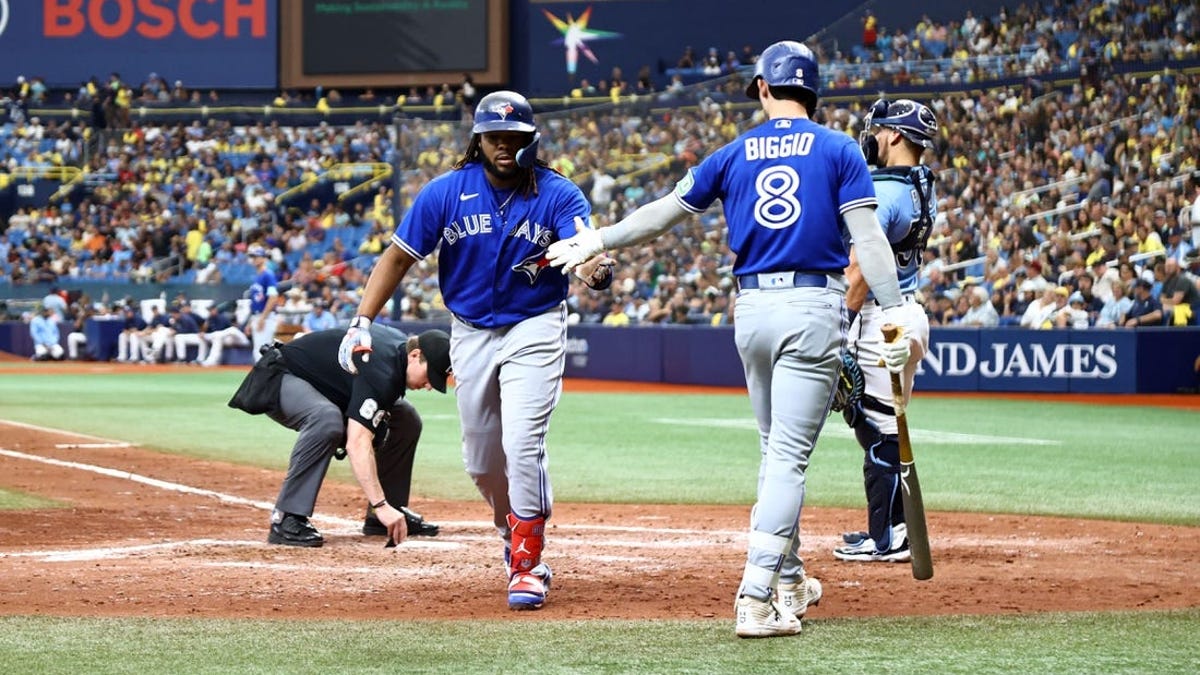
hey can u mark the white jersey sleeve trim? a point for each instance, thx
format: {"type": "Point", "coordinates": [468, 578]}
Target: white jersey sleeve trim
{"type": "Point", "coordinates": [406, 248]}
{"type": "Point", "coordinates": [858, 204]}
{"type": "Point", "coordinates": [686, 206]}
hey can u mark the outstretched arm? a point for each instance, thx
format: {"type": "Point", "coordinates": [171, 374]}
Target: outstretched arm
{"type": "Point", "coordinates": [648, 222]}
{"type": "Point", "coordinates": [642, 225]}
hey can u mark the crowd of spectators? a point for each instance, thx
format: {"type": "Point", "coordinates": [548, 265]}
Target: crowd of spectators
{"type": "Point", "coordinates": [1047, 193]}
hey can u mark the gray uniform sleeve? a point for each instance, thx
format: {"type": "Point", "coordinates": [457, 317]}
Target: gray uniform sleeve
{"type": "Point", "coordinates": [875, 257]}
{"type": "Point", "coordinates": [645, 224]}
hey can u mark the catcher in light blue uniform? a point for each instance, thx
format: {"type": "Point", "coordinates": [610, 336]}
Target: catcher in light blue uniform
{"type": "Point", "coordinates": [491, 219]}
{"type": "Point", "coordinates": [790, 189]}
{"type": "Point", "coordinates": [895, 135]}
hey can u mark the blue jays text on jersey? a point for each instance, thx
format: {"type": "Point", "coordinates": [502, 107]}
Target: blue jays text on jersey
{"type": "Point", "coordinates": [492, 256]}
{"type": "Point", "coordinates": [785, 185]}
{"type": "Point", "coordinates": [907, 209]}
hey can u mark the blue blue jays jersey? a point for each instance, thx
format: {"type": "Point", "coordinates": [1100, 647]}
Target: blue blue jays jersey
{"type": "Point", "coordinates": [784, 185]}
{"type": "Point", "coordinates": [492, 262]}
{"type": "Point", "coordinates": [907, 208]}
{"type": "Point", "coordinates": [264, 286]}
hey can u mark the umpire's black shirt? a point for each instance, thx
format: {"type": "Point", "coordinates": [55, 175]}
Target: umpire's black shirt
{"type": "Point", "coordinates": [366, 396]}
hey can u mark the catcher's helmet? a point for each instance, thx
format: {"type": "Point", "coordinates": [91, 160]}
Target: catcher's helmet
{"type": "Point", "coordinates": [503, 111]}
{"type": "Point", "coordinates": [915, 121]}
{"type": "Point", "coordinates": [786, 64]}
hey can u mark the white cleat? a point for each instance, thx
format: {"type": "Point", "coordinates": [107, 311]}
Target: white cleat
{"type": "Point", "coordinates": [762, 618]}
{"type": "Point", "coordinates": [797, 597]}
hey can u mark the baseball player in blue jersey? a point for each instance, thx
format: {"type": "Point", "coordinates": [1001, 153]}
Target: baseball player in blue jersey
{"type": "Point", "coordinates": [491, 219]}
{"type": "Point", "coordinates": [264, 296]}
{"type": "Point", "coordinates": [790, 189]}
{"type": "Point", "coordinates": [894, 136]}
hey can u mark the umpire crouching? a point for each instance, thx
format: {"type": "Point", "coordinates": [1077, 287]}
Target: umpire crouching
{"type": "Point", "coordinates": [301, 386]}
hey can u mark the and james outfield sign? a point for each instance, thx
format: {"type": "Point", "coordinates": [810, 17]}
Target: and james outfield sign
{"type": "Point", "coordinates": [1014, 359]}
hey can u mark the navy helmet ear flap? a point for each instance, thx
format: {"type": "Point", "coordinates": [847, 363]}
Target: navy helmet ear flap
{"type": "Point", "coordinates": [527, 156]}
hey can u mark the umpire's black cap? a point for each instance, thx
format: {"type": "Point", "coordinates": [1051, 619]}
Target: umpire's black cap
{"type": "Point", "coordinates": [435, 347]}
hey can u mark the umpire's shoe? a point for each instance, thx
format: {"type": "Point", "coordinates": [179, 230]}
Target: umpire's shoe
{"type": "Point", "coordinates": [294, 530]}
{"type": "Point", "coordinates": [417, 527]}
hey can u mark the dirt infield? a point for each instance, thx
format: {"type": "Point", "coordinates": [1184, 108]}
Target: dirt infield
{"type": "Point", "coordinates": [150, 534]}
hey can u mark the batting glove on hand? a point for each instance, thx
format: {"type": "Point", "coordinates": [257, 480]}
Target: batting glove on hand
{"type": "Point", "coordinates": [357, 340]}
{"type": "Point", "coordinates": [895, 354]}
{"type": "Point", "coordinates": [570, 253]}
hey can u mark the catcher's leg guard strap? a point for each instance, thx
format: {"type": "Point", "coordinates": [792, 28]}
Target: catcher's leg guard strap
{"type": "Point", "coordinates": [528, 539]}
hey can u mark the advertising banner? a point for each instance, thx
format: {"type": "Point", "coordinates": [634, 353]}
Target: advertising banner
{"type": "Point", "coordinates": [203, 43]}
{"type": "Point", "coordinates": [1015, 359]}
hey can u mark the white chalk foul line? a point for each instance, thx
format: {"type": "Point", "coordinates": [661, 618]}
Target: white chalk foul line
{"type": "Point", "coordinates": [122, 551]}
{"type": "Point", "coordinates": [64, 432]}
{"type": "Point", "coordinates": [841, 431]}
{"type": "Point", "coordinates": [335, 520]}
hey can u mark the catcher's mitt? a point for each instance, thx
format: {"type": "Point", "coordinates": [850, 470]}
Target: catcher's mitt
{"type": "Point", "coordinates": [850, 384]}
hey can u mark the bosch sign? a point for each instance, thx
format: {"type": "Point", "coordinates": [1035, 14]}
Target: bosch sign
{"type": "Point", "coordinates": [155, 19]}
{"type": "Point", "coordinates": [67, 41]}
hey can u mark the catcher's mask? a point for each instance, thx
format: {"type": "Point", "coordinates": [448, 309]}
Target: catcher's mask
{"type": "Point", "coordinates": [912, 120]}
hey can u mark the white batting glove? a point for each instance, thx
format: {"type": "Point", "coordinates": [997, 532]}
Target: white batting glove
{"type": "Point", "coordinates": [570, 253]}
{"type": "Point", "coordinates": [357, 340]}
{"type": "Point", "coordinates": [895, 354]}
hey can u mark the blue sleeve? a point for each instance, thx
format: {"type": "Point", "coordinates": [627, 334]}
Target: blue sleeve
{"type": "Point", "coordinates": [419, 231]}
{"type": "Point", "coordinates": [571, 203]}
{"type": "Point", "coordinates": [703, 184]}
{"type": "Point", "coordinates": [855, 187]}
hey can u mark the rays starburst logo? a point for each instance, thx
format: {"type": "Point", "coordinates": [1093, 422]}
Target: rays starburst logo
{"type": "Point", "coordinates": [576, 35]}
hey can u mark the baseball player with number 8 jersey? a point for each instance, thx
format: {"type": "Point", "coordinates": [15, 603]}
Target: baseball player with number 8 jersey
{"type": "Point", "coordinates": [491, 219]}
{"type": "Point", "coordinates": [790, 188]}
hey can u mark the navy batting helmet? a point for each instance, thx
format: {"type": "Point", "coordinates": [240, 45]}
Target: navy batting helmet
{"type": "Point", "coordinates": [914, 121]}
{"type": "Point", "coordinates": [508, 111]}
{"type": "Point", "coordinates": [786, 64]}
{"type": "Point", "coordinates": [503, 111]}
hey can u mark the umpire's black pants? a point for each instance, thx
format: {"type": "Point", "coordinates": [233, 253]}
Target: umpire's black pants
{"type": "Point", "coordinates": [322, 427]}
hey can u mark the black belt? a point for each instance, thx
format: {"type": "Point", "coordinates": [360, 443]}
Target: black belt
{"type": "Point", "coordinates": [773, 280]}
{"type": "Point", "coordinates": [905, 298]}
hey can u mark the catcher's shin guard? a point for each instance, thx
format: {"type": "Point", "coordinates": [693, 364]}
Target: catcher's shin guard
{"type": "Point", "coordinates": [526, 587]}
{"type": "Point", "coordinates": [881, 476]}
{"type": "Point", "coordinates": [881, 473]}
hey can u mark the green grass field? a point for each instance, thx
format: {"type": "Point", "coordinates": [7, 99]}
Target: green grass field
{"type": "Point", "coordinates": [999, 456]}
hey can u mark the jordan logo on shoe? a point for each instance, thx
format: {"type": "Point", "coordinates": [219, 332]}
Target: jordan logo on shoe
{"type": "Point", "coordinates": [521, 549]}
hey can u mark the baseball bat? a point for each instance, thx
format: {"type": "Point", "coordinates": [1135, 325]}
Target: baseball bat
{"type": "Point", "coordinates": [910, 485]}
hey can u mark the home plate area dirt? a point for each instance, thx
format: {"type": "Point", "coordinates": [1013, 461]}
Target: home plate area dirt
{"type": "Point", "coordinates": [161, 535]}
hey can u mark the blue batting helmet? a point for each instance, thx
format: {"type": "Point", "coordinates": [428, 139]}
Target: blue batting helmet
{"type": "Point", "coordinates": [786, 64]}
{"type": "Point", "coordinates": [503, 111]}
{"type": "Point", "coordinates": [915, 121]}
